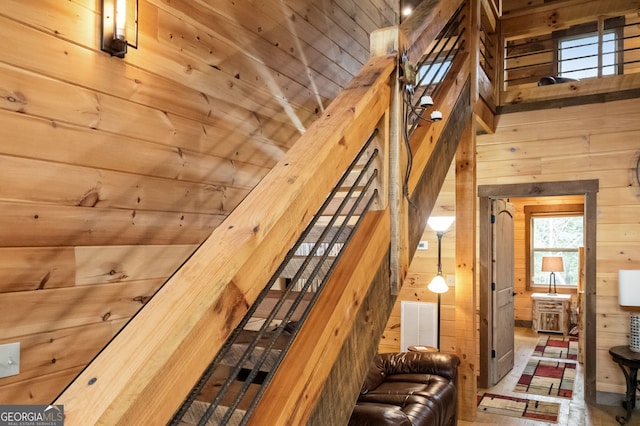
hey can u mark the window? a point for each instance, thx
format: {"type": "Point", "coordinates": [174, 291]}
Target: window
{"type": "Point", "coordinates": [433, 73]}
{"type": "Point", "coordinates": [578, 56]}
{"type": "Point", "coordinates": [554, 231]}
{"type": "Point", "coordinates": [577, 50]}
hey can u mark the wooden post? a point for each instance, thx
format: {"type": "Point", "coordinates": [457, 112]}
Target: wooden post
{"type": "Point", "coordinates": [466, 326]}
{"type": "Point", "coordinates": [384, 42]}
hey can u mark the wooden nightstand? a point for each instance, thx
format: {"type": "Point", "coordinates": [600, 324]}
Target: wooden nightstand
{"type": "Point", "coordinates": [551, 313]}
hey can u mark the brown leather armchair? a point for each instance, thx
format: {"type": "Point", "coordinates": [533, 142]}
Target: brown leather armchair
{"type": "Point", "coordinates": [409, 388]}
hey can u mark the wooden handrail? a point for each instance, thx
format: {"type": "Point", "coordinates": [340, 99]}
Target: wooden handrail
{"type": "Point", "coordinates": [143, 375]}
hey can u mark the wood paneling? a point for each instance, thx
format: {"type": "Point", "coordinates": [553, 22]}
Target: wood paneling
{"type": "Point", "coordinates": [72, 307]}
{"type": "Point", "coordinates": [115, 170]}
{"type": "Point", "coordinates": [598, 142]}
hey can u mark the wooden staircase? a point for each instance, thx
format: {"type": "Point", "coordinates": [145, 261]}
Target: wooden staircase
{"type": "Point", "coordinates": [152, 365]}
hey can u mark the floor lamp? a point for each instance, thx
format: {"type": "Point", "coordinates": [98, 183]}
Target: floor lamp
{"type": "Point", "coordinates": [438, 285]}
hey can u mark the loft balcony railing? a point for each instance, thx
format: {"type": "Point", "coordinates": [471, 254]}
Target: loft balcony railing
{"type": "Point", "coordinates": [594, 54]}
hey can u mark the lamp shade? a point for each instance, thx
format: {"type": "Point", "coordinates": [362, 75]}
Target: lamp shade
{"type": "Point", "coordinates": [629, 287]}
{"type": "Point", "coordinates": [552, 264]}
{"type": "Point", "coordinates": [440, 223]}
{"type": "Point", "coordinates": [438, 285]}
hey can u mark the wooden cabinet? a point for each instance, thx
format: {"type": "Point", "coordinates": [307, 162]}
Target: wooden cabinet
{"type": "Point", "coordinates": [551, 313]}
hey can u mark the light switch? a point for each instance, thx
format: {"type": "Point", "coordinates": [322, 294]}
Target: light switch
{"type": "Point", "coordinates": [9, 359]}
{"type": "Point", "coordinates": [451, 280]}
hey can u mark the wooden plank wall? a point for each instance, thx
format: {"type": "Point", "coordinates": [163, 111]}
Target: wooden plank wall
{"type": "Point", "coordinates": [598, 141]}
{"type": "Point", "coordinates": [115, 170]}
{"type": "Point", "coordinates": [424, 266]}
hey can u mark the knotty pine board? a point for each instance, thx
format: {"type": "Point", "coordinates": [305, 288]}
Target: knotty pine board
{"type": "Point", "coordinates": [613, 323]}
{"type": "Point", "coordinates": [351, 38]}
{"type": "Point", "coordinates": [153, 58]}
{"type": "Point", "coordinates": [89, 187]}
{"type": "Point", "coordinates": [33, 268]}
{"type": "Point", "coordinates": [33, 225]}
{"type": "Point", "coordinates": [46, 310]}
{"type": "Point", "coordinates": [261, 36]}
{"type": "Point", "coordinates": [270, 53]}
{"type": "Point", "coordinates": [69, 62]}
{"type": "Point", "coordinates": [329, 17]}
{"type": "Point", "coordinates": [55, 58]}
{"type": "Point", "coordinates": [611, 233]}
{"type": "Point", "coordinates": [73, 145]}
{"type": "Point", "coordinates": [39, 390]}
{"type": "Point", "coordinates": [108, 264]}
{"type": "Point", "coordinates": [617, 215]}
{"type": "Point", "coordinates": [541, 20]}
{"type": "Point", "coordinates": [550, 93]}
{"type": "Point", "coordinates": [35, 95]}
{"type": "Point", "coordinates": [205, 46]}
{"type": "Point", "coordinates": [58, 350]}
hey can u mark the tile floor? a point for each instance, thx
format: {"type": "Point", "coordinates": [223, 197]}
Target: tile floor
{"type": "Point", "coordinates": [572, 413]}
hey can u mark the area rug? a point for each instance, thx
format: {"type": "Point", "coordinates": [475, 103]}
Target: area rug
{"type": "Point", "coordinates": [557, 347]}
{"type": "Point", "coordinates": [519, 407]}
{"type": "Point", "coordinates": [548, 378]}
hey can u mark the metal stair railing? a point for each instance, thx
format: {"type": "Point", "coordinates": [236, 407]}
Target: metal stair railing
{"type": "Point", "coordinates": [321, 256]}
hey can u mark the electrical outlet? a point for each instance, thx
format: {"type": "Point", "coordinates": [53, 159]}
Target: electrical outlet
{"type": "Point", "coordinates": [9, 359]}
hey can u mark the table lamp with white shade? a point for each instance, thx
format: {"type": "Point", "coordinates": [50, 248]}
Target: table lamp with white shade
{"type": "Point", "coordinates": [629, 295]}
{"type": "Point", "coordinates": [552, 264]}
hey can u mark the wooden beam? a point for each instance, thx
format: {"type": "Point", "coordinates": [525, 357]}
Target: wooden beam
{"type": "Point", "coordinates": [466, 323]}
{"type": "Point", "coordinates": [388, 41]}
{"type": "Point", "coordinates": [424, 24]}
{"type": "Point", "coordinates": [489, 15]}
{"type": "Point", "coordinates": [484, 116]}
{"type": "Point", "coordinates": [339, 394]}
{"type": "Point", "coordinates": [433, 174]}
{"type": "Point", "coordinates": [145, 373]}
{"type": "Point", "coordinates": [424, 139]}
{"type": "Point", "coordinates": [561, 14]}
{"type": "Point", "coordinates": [550, 96]}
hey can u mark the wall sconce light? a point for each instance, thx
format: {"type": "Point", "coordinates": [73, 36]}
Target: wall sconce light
{"type": "Point", "coordinates": [438, 285]}
{"type": "Point", "coordinates": [413, 111]}
{"type": "Point", "coordinates": [119, 25]}
{"type": "Point", "coordinates": [629, 295]}
{"type": "Point", "coordinates": [552, 264]}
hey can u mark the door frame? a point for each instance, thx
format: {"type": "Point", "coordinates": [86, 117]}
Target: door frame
{"type": "Point", "coordinates": [588, 188]}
